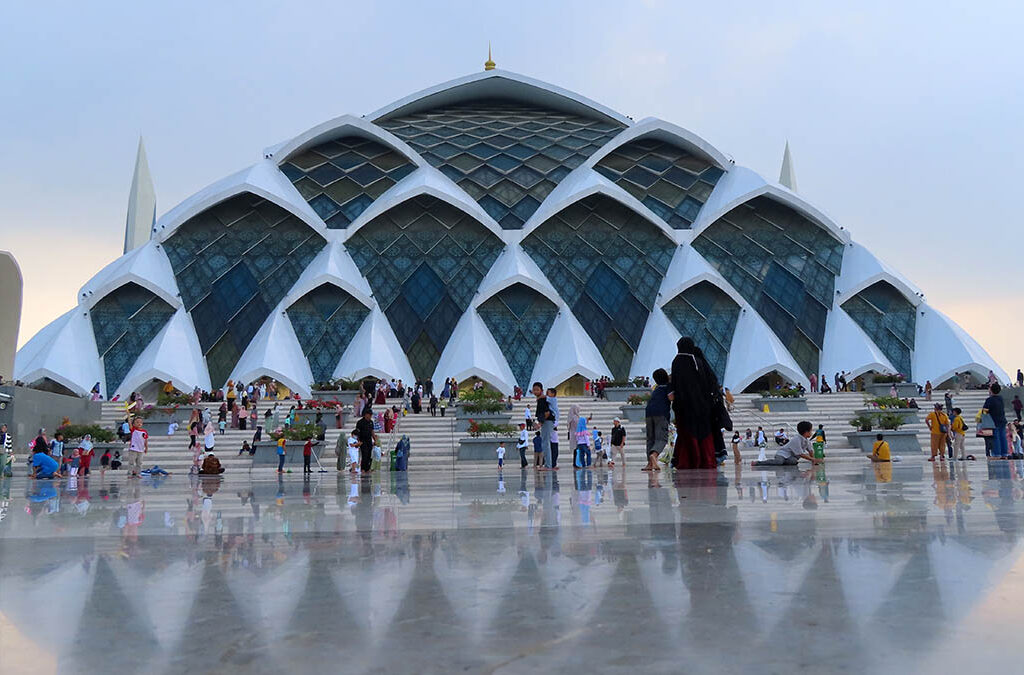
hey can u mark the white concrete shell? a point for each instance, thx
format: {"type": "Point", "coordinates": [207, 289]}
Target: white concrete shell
{"type": "Point", "coordinates": [942, 349]}
{"type": "Point", "coordinates": [146, 266]}
{"type": "Point", "coordinates": [862, 268]}
{"type": "Point", "coordinates": [375, 352]}
{"type": "Point", "coordinates": [755, 351]}
{"type": "Point", "coordinates": [657, 346]}
{"type": "Point", "coordinates": [262, 179]}
{"type": "Point", "coordinates": [340, 127]}
{"type": "Point", "coordinates": [173, 355]}
{"type": "Point", "coordinates": [652, 127]}
{"type": "Point", "coordinates": [275, 352]}
{"type": "Point", "coordinates": [567, 351]}
{"type": "Point", "coordinates": [333, 265]}
{"type": "Point", "coordinates": [847, 348]}
{"type": "Point", "coordinates": [501, 84]}
{"type": "Point", "coordinates": [688, 269]}
{"type": "Point", "coordinates": [65, 351]}
{"type": "Point", "coordinates": [514, 266]}
{"type": "Point", "coordinates": [472, 351]}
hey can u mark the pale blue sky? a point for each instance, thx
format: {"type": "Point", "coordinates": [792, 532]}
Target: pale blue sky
{"type": "Point", "coordinates": [904, 118]}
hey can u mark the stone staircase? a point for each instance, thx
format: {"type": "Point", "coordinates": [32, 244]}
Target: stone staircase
{"type": "Point", "coordinates": [434, 440]}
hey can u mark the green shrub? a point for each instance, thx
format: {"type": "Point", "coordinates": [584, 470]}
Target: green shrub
{"type": "Point", "coordinates": [297, 432]}
{"type": "Point", "coordinates": [328, 385]}
{"type": "Point", "coordinates": [890, 421]}
{"type": "Point", "coordinates": [638, 399]}
{"type": "Point", "coordinates": [78, 431]}
{"type": "Point", "coordinates": [782, 393]}
{"type": "Point", "coordinates": [888, 379]}
{"type": "Point", "coordinates": [163, 399]}
{"type": "Point", "coordinates": [863, 422]}
{"type": "Point", "coordinates": [887, 402]}
{"type": "Point", "coordinates": [479, 429]}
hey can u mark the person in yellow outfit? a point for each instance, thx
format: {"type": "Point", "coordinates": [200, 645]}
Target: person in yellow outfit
{"type": "Point", "coordinates": [959, 429]}
{"type": "Point", "coordinates": [938, 426]}
{"type": "Point", "coordinates": [880, 452]}
{"type": "Point", "coordinates": [169, 388]}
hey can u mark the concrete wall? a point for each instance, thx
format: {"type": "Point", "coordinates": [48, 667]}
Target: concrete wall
{"type": "Point", "coordinates": [29, 409]}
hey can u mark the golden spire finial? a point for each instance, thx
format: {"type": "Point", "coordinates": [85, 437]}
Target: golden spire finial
{"type": "Point", "coordinates": [488, 64]}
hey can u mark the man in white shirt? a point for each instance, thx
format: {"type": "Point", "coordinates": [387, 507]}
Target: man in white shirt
{"type": "Point", "coordinates": [137, 447]}
{"type": "Point", "coordinates": [522, 444]}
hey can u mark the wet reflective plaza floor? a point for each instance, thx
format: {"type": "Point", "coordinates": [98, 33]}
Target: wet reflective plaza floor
{"type": "Point", "coordinates": [905, 568]}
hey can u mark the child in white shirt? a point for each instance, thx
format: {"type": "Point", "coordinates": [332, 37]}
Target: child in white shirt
{"type": "Point", "coordinates": [353, 453]}
{"type": "Point", "coordinates": [501, 454]}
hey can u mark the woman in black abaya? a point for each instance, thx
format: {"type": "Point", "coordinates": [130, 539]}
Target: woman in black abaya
{"type": "Point", "coordinates": [696, 404]}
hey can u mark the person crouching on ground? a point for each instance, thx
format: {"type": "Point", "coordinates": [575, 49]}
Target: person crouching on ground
{"type": "Point", "coordinates": [211, 466]}
{"type": "Point", "coordinates": [796, 449]}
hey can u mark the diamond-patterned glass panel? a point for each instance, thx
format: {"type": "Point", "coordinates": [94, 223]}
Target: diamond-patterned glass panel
{"type": "Point", "coordinates": [434, 257]}
{"type": "Point", "coordinates": [231, 300]}
{"type": "Point", "coordinates": [519, 318]}
{"type": "Point", "coordinates": [325, 321]}
{"type": "Point", "coordinates": [708, 315]}
{"type": "Point", "coordinates": [670, 181]}
{"type": "Point", "coordinates": [500, 152]}
{"type": "Point", "coordinates": [124, 322]}
{"type": "Point", "coordinates": [607, 262]}
{"type": "Point", "coordinates": [340, 178]}
{"type": "Point", "coordinates": [889, 320]}
{"type": "Point", "coordinates": [784, 264]}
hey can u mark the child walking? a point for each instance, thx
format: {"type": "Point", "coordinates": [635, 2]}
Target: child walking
{"type": "Point", "coordinates": [501, 454]}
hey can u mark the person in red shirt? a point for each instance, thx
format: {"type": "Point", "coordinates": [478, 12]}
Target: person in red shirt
{"type": "Point", "coordinates": [307, 455]}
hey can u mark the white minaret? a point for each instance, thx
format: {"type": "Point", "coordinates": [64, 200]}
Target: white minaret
{"type": "Point", "coordinates": [138, 227]}
{"type": "Point", "coordinates": [10, 310]}
{"type": "Point", "coordinates": [787, 176]}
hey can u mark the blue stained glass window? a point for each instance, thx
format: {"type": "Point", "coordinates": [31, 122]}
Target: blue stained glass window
{"type": "Point", "coordinates": [784, 264]}
{"type": "Point", "coordinates": [229, 305]}
{"type": "Point", "coordinates": [708, 315]}
{"type": "Point", "coordinates": [124, 322]}
{"type": "Point", "coordinates": [509, 138]}
{"type": "Point", "coordinates": [671, 181]}
{"type": "Point", "coordinates": [519, 318]}
{"type": "Point", "coordinates": [325, 320]}
{"type": "Point", "coordinates": [448, 252]}
{"type": "Point", "coordinates": [347, 175]}
{"type": "Point", "coordinates": [889, 319]}
{"type": "Point", "coordinates": [607, 262]}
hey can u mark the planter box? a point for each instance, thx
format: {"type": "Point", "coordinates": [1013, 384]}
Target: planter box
{"type": "Point", "coordinates": [306, 416]}
{"type": "Point", "coordinates": [161, 416]}
{"type": "Point", "coordinates": [909, 415]}
{"type": "Point", "coordinates": [634, 413]}
{"type": "Point", "coordinates": [903, 389]}
{"type": "Point", "coordinates": [622, 394]}
{"type": "Point", "coordinates": [900, 442]}
{"type": "Point", "coordinates": [266, 453]}
{"type": "Point", "coordinates": [344, 396]}
{"type": "Point", "coordinates": [781, 404]}
{"type": "Point", "coordinates": [462, 419]}
{"type": "Point", "coordinates": [482, 449]}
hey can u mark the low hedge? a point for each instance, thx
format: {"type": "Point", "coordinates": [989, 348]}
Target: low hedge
{"type": "Point", "coordinates": [78, 431]}
{"type": "Point", "coordinates": [478, 429]}
{"type": "Point", "coordinates": [638, 399]}
{"type": "Point", "coordinates": [782, 393]}
{"type": "Point", "coordinates": [297, 432]}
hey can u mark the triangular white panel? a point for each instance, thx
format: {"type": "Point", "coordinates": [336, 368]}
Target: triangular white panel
{"type": "Point", "coordinates": [513, 266]}
{"type": "Point", "coordinates": [173, 355]}
{"type": "Point", "coordinates": [862, 268]}
{"type": "Point", "coordinates": [867, 579]}
{"type": "Point", "coordinates": [657, 346]}
{"type": "Point", "coordinates": [772, 582]}
{"type": "Point", "coordinates": [755, 351]}
{"type": "Point", "coordinates": [177, 585]}
{"type": "Point", "coordinates": [138, 226]}
{"type": "Point", "coordinates": [568, 351]}
{"type": "Point", "coordinates": [471, 589]}
{"type": "Point", "coordinates": [847, 348]}
{"type": "Point", "coordinates": [374, 351]}
{"type": "Point", "coordinates": [471, 350]}
{"type": "Point", "coordinates": [68, 357]}
{"type": "Point", "coordinates": [732, 189]}
{"type": "Point", "coordinates": [268, 612]}
{"type": "Point", "coordinates": [146, 266]}
{"type": "Point", "coordinates": [39, 344]}
{"type": "Point", "coordinates": [942, 348]}
{"type": "Point", "coordinates": [275, 352]}
{"type": "Point", "coordinates": [689, 268]}
{"type": "Point", "coordinates": [375, 592]}
{"type": "Point", "coordinates": [55, 599]}
{"type": "Point", "coordinates": [332, 265]}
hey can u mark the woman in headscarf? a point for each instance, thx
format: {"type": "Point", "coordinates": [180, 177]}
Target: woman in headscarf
{"type": "Point", "coordinates": [95, 392]}
{"type": "Point", "coordinates": [86, 452]}
{"type": "Point", "coordinates": [574, 419]}
{"type": "Point", "coordinates": [696, 403]}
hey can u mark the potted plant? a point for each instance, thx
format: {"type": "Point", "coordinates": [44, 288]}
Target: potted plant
{"type": "Point", "coordinates": [787, 399]}
{"type": "Point", "coordinates": [483, 440]}
{"type": "Point", "coordinates": [891, 405]}
{"type": "Point", "coordinates": [159, 417]}
{"type": "Point", "coordinates": [636, 407]}
{"type": "Point", "coordinates": [483, 406]}
{"type": "Point", "coordinates": [295, 437]}
{"type": "Point", "coordinates": [327, 409]}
